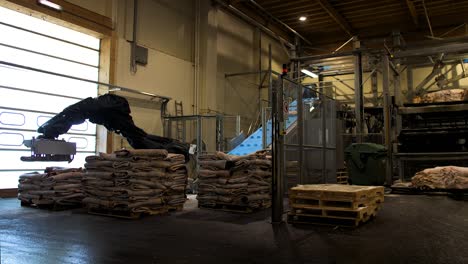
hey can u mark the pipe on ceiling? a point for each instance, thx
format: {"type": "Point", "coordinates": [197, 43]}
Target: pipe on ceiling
{"type": "Point", "coordinates": [133, 63]}
{"type": "Point", "coordinates": [324, 56]}
{"type": "Point", "coordinates": [253, 22]}
{"type": "Point", "coordinates": [428, 50]}
{"type": "Point", "coordinates": [280, 22]}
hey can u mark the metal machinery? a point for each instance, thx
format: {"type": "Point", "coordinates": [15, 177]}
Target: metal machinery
{"type": "Point", "coordinates": [382, 114]}
{"type": "Point", "coordinates": [50, 150]}
{"type": "Point", "coordinates": [111, 111]}
{"type": "Point", "coordinates": [432, 133]}
{"type": "Point", "coordinates": [209, 133]}
{"type": "Point", "coordinates": [372, 120]}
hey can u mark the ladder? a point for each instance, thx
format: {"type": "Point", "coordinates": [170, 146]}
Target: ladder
{"type": "Point", "coordinates": [180, 125]}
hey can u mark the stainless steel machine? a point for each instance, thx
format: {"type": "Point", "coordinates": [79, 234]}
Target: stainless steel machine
{"type": "Point", "coordinates": [50, 150]}
{"type": "Point", "coordinates": [433, 134]}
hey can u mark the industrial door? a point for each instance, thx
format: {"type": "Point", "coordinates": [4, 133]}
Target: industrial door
{"type": "Point", "coordinates": [30, 95]}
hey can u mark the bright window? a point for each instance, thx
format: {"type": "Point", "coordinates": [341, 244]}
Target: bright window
{"type": "Point", "coordinates": [29, 98]}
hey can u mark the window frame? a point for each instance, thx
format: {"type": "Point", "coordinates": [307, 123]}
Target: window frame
{"type": "Point", "coordinates": [85, 21]}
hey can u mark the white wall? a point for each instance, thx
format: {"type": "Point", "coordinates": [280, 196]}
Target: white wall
{"type": "Point", "coordinates": [167, 29]}
{"type": "Point", "coordinates": [239, 51]}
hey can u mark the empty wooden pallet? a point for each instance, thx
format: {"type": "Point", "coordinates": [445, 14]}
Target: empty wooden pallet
{"type": "Point", "coordinates": [51, 207]}
{"type": "Point", "coordinates": [334, 204]}
{"type": "Point", "coordinates": [329, 220]}
{"type": "Point", "coordinates": [235, 208]}
{"type": "Point", "coordinates": [126, 214]}
{"type": "Point", "coordinates": [342, 176]}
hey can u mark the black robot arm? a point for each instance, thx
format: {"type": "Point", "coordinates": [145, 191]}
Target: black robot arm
{"type": "Point", "coordinates": [113, 112]}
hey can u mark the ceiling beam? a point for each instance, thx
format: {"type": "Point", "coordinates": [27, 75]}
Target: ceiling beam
{"type": "Point", "coordinates": [268, 14]}
{"type": "Point", "coordinates": [336, 16]}
{"type": "Point", "coordinates": [257, 21]}
{"type": "Point", "coordinates": [413, 12]}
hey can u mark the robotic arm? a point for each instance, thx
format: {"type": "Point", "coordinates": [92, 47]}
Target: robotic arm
{"type": "Point", "coordinates": [111, 111]}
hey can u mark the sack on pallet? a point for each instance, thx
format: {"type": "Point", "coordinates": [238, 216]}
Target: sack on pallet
{"type": "Point", "coordinates": [140, 181]}
{"type": "Point", "coordinates": [56, 185]}
{"type": "Point", "coordinates": [235, 180]}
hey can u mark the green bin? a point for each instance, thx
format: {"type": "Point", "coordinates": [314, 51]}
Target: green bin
{"type": "Point", "coordinates": [366, 163]}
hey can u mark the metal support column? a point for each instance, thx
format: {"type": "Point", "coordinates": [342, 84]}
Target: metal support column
{"type": "Point", "coordinates": [300, 132]}
{"type": "Point", "coordinates": [409, 80]}
{"type": "Point", "coordinates": [260, 80]}
{"type": "Point", "coordinates": [387, 118]}
{"type": "Point", "coordinates": [219, 133]}
{"type": "Point", "coordinates": [238, 128]}
{"type": "Point", "coordinates": [375, 89]}
{"type": "Point", "coordinates": [277, 150]}
{"type": "Point", "coordinates": [300, 111]}
{"type": "Point", "coordinates": [199, 136]}
{"type": "Point", "coordinates": [166, 128]}
{"type": "Point", "coordinates": [270, 78]}
{"type": "Point", "coordinates": [321, 85]}
{"type": "Point", "coordinates": [394, 131]}
{"type": "Point", "coordinates": [324, 138]}
{"type": "Point", "coordinates": [398, 102]}
{"type": "Point", "coordinates": [133, 47]}
{"type": "Point", "coordinates": [264, 128]}
{"type": "Point", "coordinates": [358, 97]}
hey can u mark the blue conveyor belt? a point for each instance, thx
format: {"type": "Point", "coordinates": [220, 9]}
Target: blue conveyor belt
{"type": "Point", "coordinates": [253, 142]}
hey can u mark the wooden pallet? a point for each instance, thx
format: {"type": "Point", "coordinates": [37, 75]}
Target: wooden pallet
{"type": "Point", "coordinates": [175, 208]}
{"type": "Point", "coordinates": [332, 203]}
{"type": "Point", "coordinates": [234, 208]}
{"type": "Point", "coordinates": [124, 214]}
{"type": "Point", "coordinates": [51, 207]}
{"type": "Point", "coordinates": [328, 220]}
{"type": "Point", "coordinates": [360, 213]}
{"type": "Point", "coordinates": [337, 193]}
{"type": "Point", "coordinates": [342, 177]}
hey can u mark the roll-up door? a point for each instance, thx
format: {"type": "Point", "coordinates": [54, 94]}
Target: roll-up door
{"type": "Point", "coordinates": [28, 98]}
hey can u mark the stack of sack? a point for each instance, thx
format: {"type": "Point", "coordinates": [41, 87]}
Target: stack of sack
{"type": "Point", "coordinates": [140, 181]}
{"type": "Point", "coordinates": [451, 95]}
{"type": "Point", "coordinates": [449, 177]}
{"type": "Point", "coordinates": [60, 186]}
{"type": "Point", "coordinates": [235, 180]}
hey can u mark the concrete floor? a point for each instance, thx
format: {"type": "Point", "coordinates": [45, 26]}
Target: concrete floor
{"type": "Point", "coordinates": [409, 229]}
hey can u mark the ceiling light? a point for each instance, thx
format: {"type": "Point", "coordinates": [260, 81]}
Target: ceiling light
{"type": "Point", "coordinates": [302, 18]}
{"type": "Point", "coordinates": [309, 73]}
{"type": "Point", "coordinates": [50, 4]}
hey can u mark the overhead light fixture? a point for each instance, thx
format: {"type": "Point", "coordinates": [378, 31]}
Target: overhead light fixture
{"type": "Point", "coordinates": [302, 18]}
{"type": "Point", "coordinates": [50, 4]}
{"type": "Point", "coordinates": [309, 73]}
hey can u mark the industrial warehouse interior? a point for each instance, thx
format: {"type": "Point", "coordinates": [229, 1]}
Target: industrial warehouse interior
{"type": "Point", "coordinates": [233, 131]}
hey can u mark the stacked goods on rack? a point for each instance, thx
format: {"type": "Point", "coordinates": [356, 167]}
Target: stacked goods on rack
{"type": "Point", "coordinates": [56, 186]}
{"type": "Point", "coordinates": [451, 95]}
{"type": "Point", "coordinates": [234, 183]}
{"type": "Point", "coordinates": [334, 204]}
{"type": "Point", "coordinates": [449, 177]}
{"type": "Point", "coordinates": [129, 183]}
